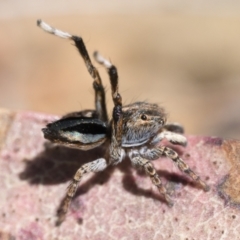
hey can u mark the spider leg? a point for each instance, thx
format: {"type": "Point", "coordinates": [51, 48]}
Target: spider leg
{"type": "Point", "coordinates": [138, 161]}
{"type": "Point", "coordinates": [116, 140]}
{"type": "Point", "coordinates": [174, 127]}
{"type": "Point", "coordinates": [172, 137]}
{"type": "Point", "coordinates": [113, 75]}
{"type": "Point", "coordinates": [94, 166]}
{"type": "Point", "coordinates": [155, 153]}
{"type": "Point", "coordinates": [100, 103]}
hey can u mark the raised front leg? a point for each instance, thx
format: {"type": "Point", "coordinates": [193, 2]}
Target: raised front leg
{"type": "Point", "coordinates": [116, 152]}
{"type": "Point", "coordinates": [116, 97]}
{"type": "Point", "coordinates": [95, 166]}
{"type": "Point", "coordinates": [157, 152]}
{"type": "Point", "coordinates": [100, 103]}
{"type": "Point", "coordinates": [138, 161]}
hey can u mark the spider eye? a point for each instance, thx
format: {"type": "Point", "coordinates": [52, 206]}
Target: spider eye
{"type": "Point", "coordinates": [144, 117]}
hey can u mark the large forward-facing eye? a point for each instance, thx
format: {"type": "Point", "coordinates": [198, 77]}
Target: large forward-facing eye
{"type": "Point", "coordinates": [144, 117]}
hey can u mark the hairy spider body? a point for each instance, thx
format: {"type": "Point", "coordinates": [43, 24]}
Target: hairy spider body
{"type": "Point", "coordinates": [135, 130]}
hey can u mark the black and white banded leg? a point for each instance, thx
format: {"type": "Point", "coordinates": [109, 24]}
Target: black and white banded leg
{"type": "Point", "coordinates": [100, 103]}
{"type": "Point", "coordinates": [116, 139]}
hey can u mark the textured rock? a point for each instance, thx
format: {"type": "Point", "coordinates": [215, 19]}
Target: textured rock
{"type": "Point", "coordinates": [120, 203]}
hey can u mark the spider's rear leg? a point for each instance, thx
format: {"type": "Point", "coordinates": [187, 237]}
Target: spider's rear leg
{"type": "Point", "coordinates": [151, 172]}
{"type": "Point", "coordinates": [94, 166]}
{"type": "Point", "coordinates": [100, 103]}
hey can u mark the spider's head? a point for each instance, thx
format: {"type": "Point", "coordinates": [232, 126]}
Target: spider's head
{"type": "Point", "coordinates": [141, 121]}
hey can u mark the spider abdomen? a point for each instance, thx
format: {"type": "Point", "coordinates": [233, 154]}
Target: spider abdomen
{"type": "Point", "coordinates": [83, 133]}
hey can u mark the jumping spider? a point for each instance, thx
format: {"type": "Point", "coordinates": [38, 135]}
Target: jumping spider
{"type": "Point", "coordinates": [135, 130]}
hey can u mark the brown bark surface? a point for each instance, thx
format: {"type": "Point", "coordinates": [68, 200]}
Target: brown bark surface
{"type": "Point", "coordinates": [119, 203]}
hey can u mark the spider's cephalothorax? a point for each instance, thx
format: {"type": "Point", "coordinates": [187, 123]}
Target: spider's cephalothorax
{"type": "Point", "coordinates": [141, 121]}
{"type": "Point", "coordinates": [135, 130]}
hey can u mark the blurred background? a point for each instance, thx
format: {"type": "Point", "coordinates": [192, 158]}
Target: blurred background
{"type": "Point", "coordinates": [184, 55]}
